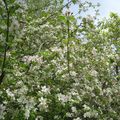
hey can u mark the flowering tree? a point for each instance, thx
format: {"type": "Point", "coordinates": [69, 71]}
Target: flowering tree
{"type": "Point", "coordinates": [55, 68]}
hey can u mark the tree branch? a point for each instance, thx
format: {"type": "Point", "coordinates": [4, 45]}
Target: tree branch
{"type": "Point", "coordinates": [5, 44]}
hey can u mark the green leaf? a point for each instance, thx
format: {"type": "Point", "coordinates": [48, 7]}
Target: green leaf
{"type": "Point", "coordinates": [74, 1]}
{"type": "Point", "coordinates": [12, 1]}
{"type": "Point", "coordinates": [72, 18]}
{"type": "Point", "coordinates": [62, 18]}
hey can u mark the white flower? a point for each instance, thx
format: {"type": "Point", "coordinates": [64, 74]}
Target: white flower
{"type": "Point", "coordinates": [74, 92]}
{"type": "Point", "coordinates": [20, 83]}
{"type": "Point", "coordinates": [56, 49]}
{"type": "Point", "coordinates": [94, 51]}
{"type": "Point", "coordinates": [94, 73]}
{"type": "Point", "coordinates": [27, 113]}
{"type": "Point", "coordinates": [73, 73]}
{"type": "Point", "coordinates": [9, 93]}
{"type": "Point", "coordinates": [89, 18]}
{"type": "Point", "coordinates": [14, 25]}
{"type": "Point", "coordinates": [39, 118]}
{"type": "Point", "coordinates": [87, 114]}
{"type": "Point", "coordinates": [8, 54]}
{"type": "Point", "coordinates": [69, 114]}
{"type": "Point", "coordinates": [74, 110]}
{"type": "Point", "coordinates": [86, 107]}
{"type": "Point", "coordinates": [22, 99]}
{"type": "Point", "coordinates": [63, 98]}
{"type": "Point", "coordinates": [23, 90]}
{"type": "Point", "coordinates": [18, 73]}
{"type": "Point", "coordinates": [45, 89]}
{"type": "Point", "coordinates": [90, 114]}
{"type": "Point", "coordinates": [30, 103]}
{"type": "Point", "coordinates": [56, 117]}
{"type": "Point", "coordinates": [104, 31]}
{"type": "Point", "coordinates": [43, 104]}
{"type": "Point", "coordinates": [34, 58]}
{"type": "Point", "coordinates": [77, 118]}
{"type": "Point", "coordinates": [2, 113]}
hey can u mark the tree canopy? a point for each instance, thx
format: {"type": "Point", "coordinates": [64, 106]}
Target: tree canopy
{"type": "Point", "coordinates": [56, 66]}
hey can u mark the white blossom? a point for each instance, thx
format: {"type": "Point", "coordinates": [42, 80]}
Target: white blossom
{"type": "Point", "coordinates": [45, 89]}
{"type": "Point", "coordinates": [94, 73]}
{"type": "Point", "coordinates": [27, 113]}
{"type": "Point", "coordinates": [2, 113]}
{"type": "Point", "coordinates": [69, 114]}
{"type": "Point", "coordinates": [43, 104]}
{"type": "Point", "coordinates": [10, 94]}
{"type": "Point", "coordinates": [39, 118]}
{"type": "Point", "coordinates": [77, 118]}
{"type": "Point", "coordinates": [94, 51]}
{"type": "Point", "coordinates": [74, 110]}
{"type": "Point", "coordinates": [56, 49]}
{"type": "Point", "coordinates": [34, 58]}
{"type": "Point", "coordinates": [87, 114]}
{"type": "Point", "coordinates": [86, 107]}
{"type": "Point", "coordinates": [73, 73]}
{"type": "Point", "coordinates": [63, 98]}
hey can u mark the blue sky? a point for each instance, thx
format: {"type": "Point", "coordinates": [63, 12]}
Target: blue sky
{"type": "Point", "coordinates": [106, 7]}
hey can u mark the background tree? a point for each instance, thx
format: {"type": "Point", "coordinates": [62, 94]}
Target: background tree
{"type": "Point", "coordinates": [57, 68]}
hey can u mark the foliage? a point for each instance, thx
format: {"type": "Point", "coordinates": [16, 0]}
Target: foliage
{"type": "Point", "coordinates": [55, 68]}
